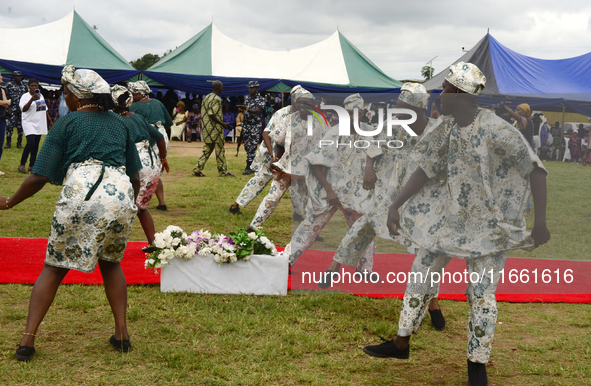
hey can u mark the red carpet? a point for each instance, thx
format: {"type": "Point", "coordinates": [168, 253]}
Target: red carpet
{"type": "Point", "coordinates": [389, 265]}
{"type": "Point", "coordinates": [22, 260]}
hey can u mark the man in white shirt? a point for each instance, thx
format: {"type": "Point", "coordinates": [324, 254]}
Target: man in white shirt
{"type": "Point", "coordinates": [34, 118]}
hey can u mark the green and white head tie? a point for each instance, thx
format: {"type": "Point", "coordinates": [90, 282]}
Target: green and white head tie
{"type": "Point", "coordinates": [414, 94]}
{"type": "Point", "coordinates": [139, 87]}
{"type": "Point", "coordinates": [354, 101]}
{"type": "Point", "coordinates": [298, 92]}
{"type": "Point", "coordinates": [467, 77]}
{"type": "Point", "coordinates": [85, 84]}
{"type": "Point", "coordinates": [118, 90]}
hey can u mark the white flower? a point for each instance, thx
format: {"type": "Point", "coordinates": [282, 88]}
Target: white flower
{"type": "Point", "coordinates": [204, 251]}
{"type": "Point", "coordinates": [204, 234]}
{"type": "Point", "coordinates": [217, 259]}
{"type": "Point", "coordinates": [228, 247]}
{"type": "Point", "coordinates": [173, 228]}
{"type": "Point", "coordinates": [176, 241]}
{"type": "Point", "coordinates": [166, 254]}
{"type": "Point", "coordinates": [233, 258]}
{"type": "Point", "coordinates": [159, 240]}
{"type": "Point", "coordinates": [252, 236]}
{"type": "Point", "coordinates": [152, 261]}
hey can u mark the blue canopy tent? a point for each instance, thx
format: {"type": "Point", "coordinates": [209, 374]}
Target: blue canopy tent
{"type": "Point", "coordinates": [549, 85]}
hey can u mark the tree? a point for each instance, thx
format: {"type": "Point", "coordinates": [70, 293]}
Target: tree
{"type": "Point", "coordinates": [145, 62]}
{"type": "Point", "coordinates": [427, 72]}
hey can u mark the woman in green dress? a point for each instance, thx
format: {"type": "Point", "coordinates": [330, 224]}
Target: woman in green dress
{"type": "Point", "coordinates": [145, 137]}
{"type": "Point", "coordinates": [91, 153]}
{"type": "Point", "coordinates": [157, 115]}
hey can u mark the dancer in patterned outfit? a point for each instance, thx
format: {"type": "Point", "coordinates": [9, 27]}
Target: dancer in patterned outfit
{"type": "Point", "coordinates": [156, 114]}
{"type": "Point", "coordinates": [278, 125]}
{"type": "Point", "coordinates": [341, 188]}
{"type": "Point", "coordinates": [91, 153]}
{"type": "Point", "coordinates": [490, 171]}
{"type": "Point", "coordinates": [145, 137]}
{"type": "Point", "coordinates": [213, 132]}
{"type": "Point", "coordinates": [393, 168]}
{"type": "Point", "coordinates": [253, 106]}
{"type": "Point", "coordinates": [15, 89]}
{"type": "Point", "coordinates": [290, 131]}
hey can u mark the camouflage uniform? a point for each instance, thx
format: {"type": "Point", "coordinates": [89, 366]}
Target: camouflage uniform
{"type": "Point", "coordinates": [14, 92]}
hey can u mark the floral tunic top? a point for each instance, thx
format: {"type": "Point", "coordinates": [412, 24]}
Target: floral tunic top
{"type": "Point", "coordinates": [345, 168]}
{"type": "Point", "coordinates": [393, 171]}
{"type": "Point", "coordinates": [478, 207]}
{"type": "Point", "coordinates": [298, 144]}
{"type": "Point", "coordinates": [277, 129]}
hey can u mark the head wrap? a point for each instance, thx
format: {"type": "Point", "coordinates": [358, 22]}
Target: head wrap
{"type": "Point", "coordinates": [180, 103]}
{"type": "Point", "coordinates": [85, 84]}
{"type": "Point", "coordinates": [467, 77]}
{"type": "Point", "coordinates": [525, 107]}
{"type": "Point", "coordinates": [118, 90]}
{"type": "Point", "coordinates": [17, 73]}
{"type": "Point", "coordinates": [298, 92]}
{"type": "Point", "coordinates": [139, 87]}
{"type": "Point", "coordinates": [354, 101]}
{"type": "Point", "coordinates": [414, 94]}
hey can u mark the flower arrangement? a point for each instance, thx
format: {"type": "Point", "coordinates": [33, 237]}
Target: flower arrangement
{"type": "Point", "coordinates": [167, 245]}
{"type": "Point", "coordinates": [239, 245]}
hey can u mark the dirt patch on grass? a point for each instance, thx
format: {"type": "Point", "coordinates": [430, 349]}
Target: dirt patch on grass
{"type": "Point", "coordinates": [193, 149]}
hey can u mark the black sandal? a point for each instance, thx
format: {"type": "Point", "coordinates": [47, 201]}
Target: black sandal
{"type": "Point", "coordinates": [199, 174]}
{"type": "Point", "coordinates": [24, 353]}
{"type": "Point", "coordinates": [122, 345]}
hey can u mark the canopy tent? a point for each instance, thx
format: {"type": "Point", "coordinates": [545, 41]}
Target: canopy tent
{"type": "Point", "coordinates": [49, 47]}
{"type": "Point", "coordinates": [332, 65]}
{"type": "Point", "coordinates": [551, 85]}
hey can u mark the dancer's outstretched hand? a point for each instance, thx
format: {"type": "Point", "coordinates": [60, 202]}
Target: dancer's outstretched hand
{"type": "Point", "coordinates": [540, 233]}
{"type": "Point", "coordinates": [393, 220]}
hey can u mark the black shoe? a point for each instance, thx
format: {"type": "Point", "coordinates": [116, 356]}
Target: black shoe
{"type": "Point", "coordinates": [477, 374]}
{"type": "Point", "coordinates": [247, 171]}
{"type": "Point", "coordinates": [149, 249]}
{"type": "Point", "coordinates": [326, 280]}
{"type": "Point", "coordinates": [249, 230]}
{"type": "Point", "coordinates": [319, 239]}
{"type": "Point", "coordinates": [7, 144]}
{"type": "Point", "coordinates": [162, 208]}
{"type": "Point", "coordinates": [235, 210]}
{"type": "Point", "coordinates": [437, 319]}
{"type": "Point", "coordinates": [120, 345]}
{"type": "Point", "coordinates": [297, 217]}
{"type": "Point", "coordinates": [19, 145]}
{"type": "Point", "coordinates": [24, 353]}
{"type": "Point", "coordinates": [228, 175]}
{"type": "Point", "coordinates": [387, 350]}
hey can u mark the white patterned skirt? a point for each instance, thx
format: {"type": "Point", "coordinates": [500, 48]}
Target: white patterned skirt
{"type": "Point", "coordinates": [162, 131]}
{"type": "Point", "coordinates": [149, 173]}
{"type": "Point", "coordinates": [84, 231]}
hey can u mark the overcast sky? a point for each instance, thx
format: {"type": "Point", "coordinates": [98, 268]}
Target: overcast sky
{"type": "Point", "coordinates": [399, 37]}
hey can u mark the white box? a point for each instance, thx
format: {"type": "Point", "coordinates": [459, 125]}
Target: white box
{"type": "Point", "coordinates": [261, 275]}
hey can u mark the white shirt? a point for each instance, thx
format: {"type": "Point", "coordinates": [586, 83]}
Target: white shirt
{"type": "Point", "coordinates": [35, 118]}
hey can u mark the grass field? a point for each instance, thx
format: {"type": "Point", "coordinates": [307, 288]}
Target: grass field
{"type": "Point", "coordinates": [312, 339]}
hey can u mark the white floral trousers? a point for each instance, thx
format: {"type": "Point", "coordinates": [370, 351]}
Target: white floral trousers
{"type": "Point", "coordinates": [253, 188]}
{"type": "Point", "coordinates": [271, 200]}
{"type": "Point", "coordinates": [310, 228]}
{"type": "Point", "coordinates": [351, 250]}
{"type": "Point", "coordinates": [481, 297]}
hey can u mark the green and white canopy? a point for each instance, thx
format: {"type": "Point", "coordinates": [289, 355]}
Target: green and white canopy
{"type": "Point", "coordinates": [333, 62]}
{"type": "Point", "coordinates": [49, 47]}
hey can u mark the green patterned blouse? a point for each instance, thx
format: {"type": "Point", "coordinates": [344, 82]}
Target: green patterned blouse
{"type": "Point", "coordinates": [153, 110]}
{"type": "Point", "coordinates": [82, 135]}
{"type": "Point", "coordinates": [141, 130]}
